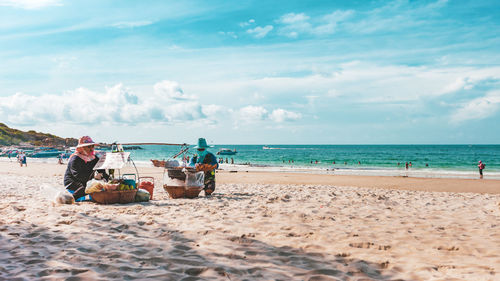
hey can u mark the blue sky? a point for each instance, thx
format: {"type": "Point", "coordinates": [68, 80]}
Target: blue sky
{"type": "Point", "coordinates": [253, 72]}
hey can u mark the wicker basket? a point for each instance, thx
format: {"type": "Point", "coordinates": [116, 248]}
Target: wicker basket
{"type": "Point", "coordinates": [114, 196]}
{"type": "Point", "coordinates": [192, 191]}
{"type": "Point", "coordinates": [175, 191]}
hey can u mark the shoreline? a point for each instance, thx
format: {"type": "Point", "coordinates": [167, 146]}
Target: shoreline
{"type": "Point", "coordinates": [230, 176]}
{"type": "Point", "coordinates": [346, 171]}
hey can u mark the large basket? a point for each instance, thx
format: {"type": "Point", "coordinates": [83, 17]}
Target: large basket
{"type": "Point", "coordinates": [114, 196]}
{"type": "Point", "coordinates": [175, 191]}
{"type": "Point", "coordinates": [176, 173]}
{"type": "Point", "coordinates": [192, 191]}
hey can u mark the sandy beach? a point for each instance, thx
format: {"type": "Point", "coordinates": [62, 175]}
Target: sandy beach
{"type": "Point", "coordinates": [256, 226]}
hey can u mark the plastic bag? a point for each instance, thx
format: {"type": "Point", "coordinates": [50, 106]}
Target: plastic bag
{"type": "Point", "coordinates": [172, 163]}
{"type": "Point", "coordinates": [142, 195]}
{"type": "Point", "coordinates": [64, 197]}
{"type": "Point", "coordinates": [58, 195]}
{"type": "Point", "coordinates": [195, 179]}
{"type": "Point", "coordinates": [94, 186]}
{"type": "Point", "coordinates": [172, 181]}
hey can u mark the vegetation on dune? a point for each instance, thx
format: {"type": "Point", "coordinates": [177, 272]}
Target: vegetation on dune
{"type": "Point", "coordinates": [9, 136]}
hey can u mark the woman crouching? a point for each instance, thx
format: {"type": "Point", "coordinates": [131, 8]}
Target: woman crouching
{"type": "Point", "coordinates": [81, 168]}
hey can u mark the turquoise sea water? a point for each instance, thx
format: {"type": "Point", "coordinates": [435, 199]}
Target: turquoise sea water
{"type": "Point", "coordinates": [437, 157]}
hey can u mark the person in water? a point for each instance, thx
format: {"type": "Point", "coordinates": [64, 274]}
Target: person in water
{"type": "Point", "coordinates": [203, 156]}
{"type": "Point", "coordinates": [481, 167]}
{"type": "Point", "coordinates": [81, 168]}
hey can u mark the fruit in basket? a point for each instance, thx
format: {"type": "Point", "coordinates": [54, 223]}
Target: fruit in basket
{"type": "Point", "coordinates": [205, 167]}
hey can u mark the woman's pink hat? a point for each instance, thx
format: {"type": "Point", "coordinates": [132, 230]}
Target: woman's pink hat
{"type": "Point", "coordinates": [85, 141]}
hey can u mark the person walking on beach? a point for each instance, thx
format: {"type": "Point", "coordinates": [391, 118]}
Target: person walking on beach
{"type": "Point", "coordinates": [481, 168]}
{"type": "Point", "coordinates": [22, 159]}
{"type": "Point", "coordinates": [205, 157]}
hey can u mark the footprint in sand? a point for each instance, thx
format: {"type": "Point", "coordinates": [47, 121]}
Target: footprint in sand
{"type": "Point", "coordinates": [443, 248]}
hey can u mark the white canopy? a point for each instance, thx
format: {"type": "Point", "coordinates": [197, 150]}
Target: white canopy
{"type": "Point", "coordinates": [112, 160]}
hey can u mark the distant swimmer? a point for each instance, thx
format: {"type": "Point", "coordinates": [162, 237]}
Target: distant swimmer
{"type": "Point", "coordinates": [406, 165]}
{"type": "Point", "coordinates": [481, 167]}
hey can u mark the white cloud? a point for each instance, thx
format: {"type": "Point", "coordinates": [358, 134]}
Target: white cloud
{"type": "Point", "coordinates": [295, 24]}
{"type": "Point", "coordinates": [292, 18]}
{"type": "Point", "coordinates": [131, 24]}
{"type": "Point", "coordinates": [260, 32]}
{"type": "Point", "coordinates": [477, 109]}
{"type": "Point", "coordinates": [229, 33]}
{"type": "Point", "coordinates": [30, 4]}
{"type": "Point", "coordinates": [116, 105]}
{"type": "Point", "coordinates": [280, 115]}
{"type": "Point", "coordinates": [170, 90]}
{"type": "Point", "coordinates": [247, 23]}
{"type": "Point", "coordinates": [213, 110]}
{"type": "Point", "coordinates": [252, 113]}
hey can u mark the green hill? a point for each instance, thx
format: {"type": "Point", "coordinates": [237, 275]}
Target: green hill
{"type": "Point", "coordinates": [9, 136]}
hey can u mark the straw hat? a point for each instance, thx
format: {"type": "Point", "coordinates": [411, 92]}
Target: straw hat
{"type": "Point", "coordinates": [85, 141]}
{"type": "Point", "coordinates": [202, 143]}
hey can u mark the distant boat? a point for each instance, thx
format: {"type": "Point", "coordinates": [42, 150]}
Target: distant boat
{"type": "Point", "coordinates": [226, 151]}
{"type": "Point", "coordinates": [46, 153]}
{"type": "Point", "coordinates": [267, 147]}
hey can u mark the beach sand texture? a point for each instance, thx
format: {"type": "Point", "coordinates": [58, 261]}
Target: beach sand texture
{"type": "Point", "coordinates": [251, 231]}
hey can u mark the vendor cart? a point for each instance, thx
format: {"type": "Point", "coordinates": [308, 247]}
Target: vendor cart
{"type": "Point", "coordinates": [126, 185]}
{"type": "Point", "coordinates": [179, 179]}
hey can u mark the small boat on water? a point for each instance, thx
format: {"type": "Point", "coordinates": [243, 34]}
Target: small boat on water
{"type": "Point", "coordinates": [45, 153]}
{"type": "Point", "coordinates": [226, 151]}
{"type": "Point", "coordinates": [267, 147]}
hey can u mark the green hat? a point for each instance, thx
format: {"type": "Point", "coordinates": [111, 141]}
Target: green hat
{"type": "Point", "coordinates": [202, 143]}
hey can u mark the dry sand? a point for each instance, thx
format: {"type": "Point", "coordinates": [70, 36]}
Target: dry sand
{"type": "Point", "coordinates": [256, 226]}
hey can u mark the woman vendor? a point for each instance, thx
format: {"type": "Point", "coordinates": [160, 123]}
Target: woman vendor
{"type": "Point", "coordinates": [205, 157]}
{"type": "Point", "coordinates": [81, 168]}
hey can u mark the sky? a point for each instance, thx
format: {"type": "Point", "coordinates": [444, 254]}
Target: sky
{"type": "Point", "coordinates": [253, 72]}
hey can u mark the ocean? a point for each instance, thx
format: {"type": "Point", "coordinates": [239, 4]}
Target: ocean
{"type": "Point", "coordinates": [458, 161]}
{"type": "Point", "coordinates": [442, 161]}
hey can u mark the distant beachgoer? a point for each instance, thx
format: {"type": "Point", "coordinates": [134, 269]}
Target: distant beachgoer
{"type": "Point", "coordinates": [205, 157]}
{"type": "Point", "coordinates": [333, 163]}
{"type": "Point", "coordinates": [481, 167]}
{"type": "Point", "coordinates": [345, 162]}
{"type": "Point", "coordinates": [232, 160]}
{"type": "Point", "coordinates": [398, 163]}
{"type": "Point", "coordinates": [60, 160]}
{"type": "Point", "coordinates": [359, 162]}
{"type": "Point", "coordinates": [410, 164]}
{"type": "Point", "coordinates": [316, 162]}
{"type": "Point", "coordinates": [21, 158]}
{"type": "Point", "coordinates": [227, 161]}
{"type": "Point", "coordinates": [311, 161]}
{"type": "Point", "coordinates": [426, 164]}
{"type": "Point", "coordinates": [406, 165]}
{"type": "Point", "coordinates": [81, 168]}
